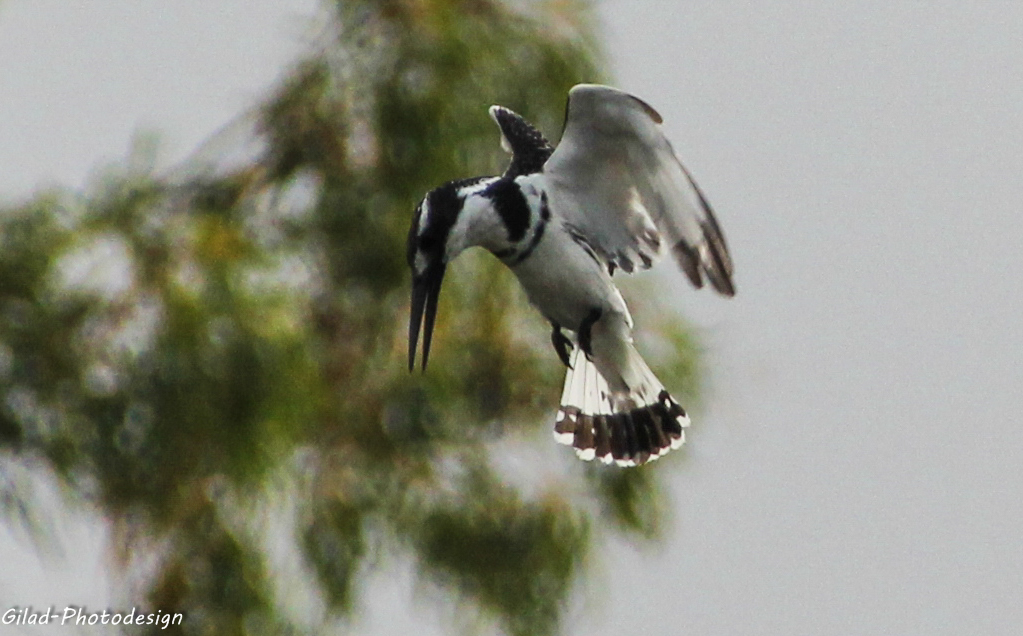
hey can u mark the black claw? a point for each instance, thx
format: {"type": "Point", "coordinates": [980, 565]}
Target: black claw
{"type": "Point", "coordinates": [585, 334]}
{"type": "Point", "coordinates": [561, 344]}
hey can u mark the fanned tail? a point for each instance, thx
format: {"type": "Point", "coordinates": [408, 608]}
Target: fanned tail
{"type": "Point", "coordinates": [627, 429]}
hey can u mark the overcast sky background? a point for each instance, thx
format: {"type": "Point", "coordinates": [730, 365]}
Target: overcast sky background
{"type": "Point", "coordinates": [858, 466]}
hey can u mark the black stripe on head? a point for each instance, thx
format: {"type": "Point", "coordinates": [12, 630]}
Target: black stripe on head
{"type": "Point", "coordinates": [412, 243]}
{"type": "Point", "coordinates": [445, 203]}
{"type": "Point", "coordinates": [511, 206]}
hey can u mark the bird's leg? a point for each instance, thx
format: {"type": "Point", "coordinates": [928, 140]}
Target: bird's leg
{"type": "Point", "coordinates": [561, 344]}
{"type": "Point", "coordinates": [585, 335]}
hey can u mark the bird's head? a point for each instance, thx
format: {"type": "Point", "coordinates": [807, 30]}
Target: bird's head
{"type": "Point", "coordinates": [431, 245]}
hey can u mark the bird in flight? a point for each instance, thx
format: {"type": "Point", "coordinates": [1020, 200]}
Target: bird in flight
{"type": "Point", "coordinates": [613, 196]}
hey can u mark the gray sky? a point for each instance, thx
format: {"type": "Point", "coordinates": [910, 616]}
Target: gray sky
{"type": "Point", "coordinates": [857, 469]}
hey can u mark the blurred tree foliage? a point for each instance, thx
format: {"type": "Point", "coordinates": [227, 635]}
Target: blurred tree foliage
{"type": "Point", "coordinates": [215, 358]}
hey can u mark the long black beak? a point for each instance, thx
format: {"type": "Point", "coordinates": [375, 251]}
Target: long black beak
{"type": "Point", "coordinates": [425, 291]}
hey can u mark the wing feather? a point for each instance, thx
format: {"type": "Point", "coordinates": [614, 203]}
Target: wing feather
{"type": "Point", "coordinates": [615, 176]}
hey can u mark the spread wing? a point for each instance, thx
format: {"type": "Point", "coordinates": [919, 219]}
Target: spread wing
{"type": "Point", "coordinates": [616, 179]}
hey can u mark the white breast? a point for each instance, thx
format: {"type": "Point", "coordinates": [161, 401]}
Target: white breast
{"type": "Point", "coordinates": [565, 282]}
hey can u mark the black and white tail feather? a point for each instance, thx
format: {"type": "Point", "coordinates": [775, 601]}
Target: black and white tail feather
{"type": "Point", "coordinates": [612, 196]}
{"type": "Point", "coordinates": [625, 430]}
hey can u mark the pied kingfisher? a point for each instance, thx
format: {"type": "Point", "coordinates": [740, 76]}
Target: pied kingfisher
{"type": "Point", "coordinates": [608, 198]}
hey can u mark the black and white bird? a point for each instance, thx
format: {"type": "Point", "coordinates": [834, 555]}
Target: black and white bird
{"type": "Point", "coordinates": [612, 196]}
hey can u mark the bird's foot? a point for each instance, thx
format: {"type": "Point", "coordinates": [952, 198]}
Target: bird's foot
{"type": "Point", "coordinates": [562, 345]}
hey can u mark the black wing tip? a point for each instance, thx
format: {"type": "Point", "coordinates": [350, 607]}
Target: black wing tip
{"type": "Point", "coordinates": [649, 110]}
{"type": "Point", "coordinates": [689, 262]}
{"type": "Point", "coordinates": [720, 270]}
{"type": "Point", "coordinates": [709, 259]}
